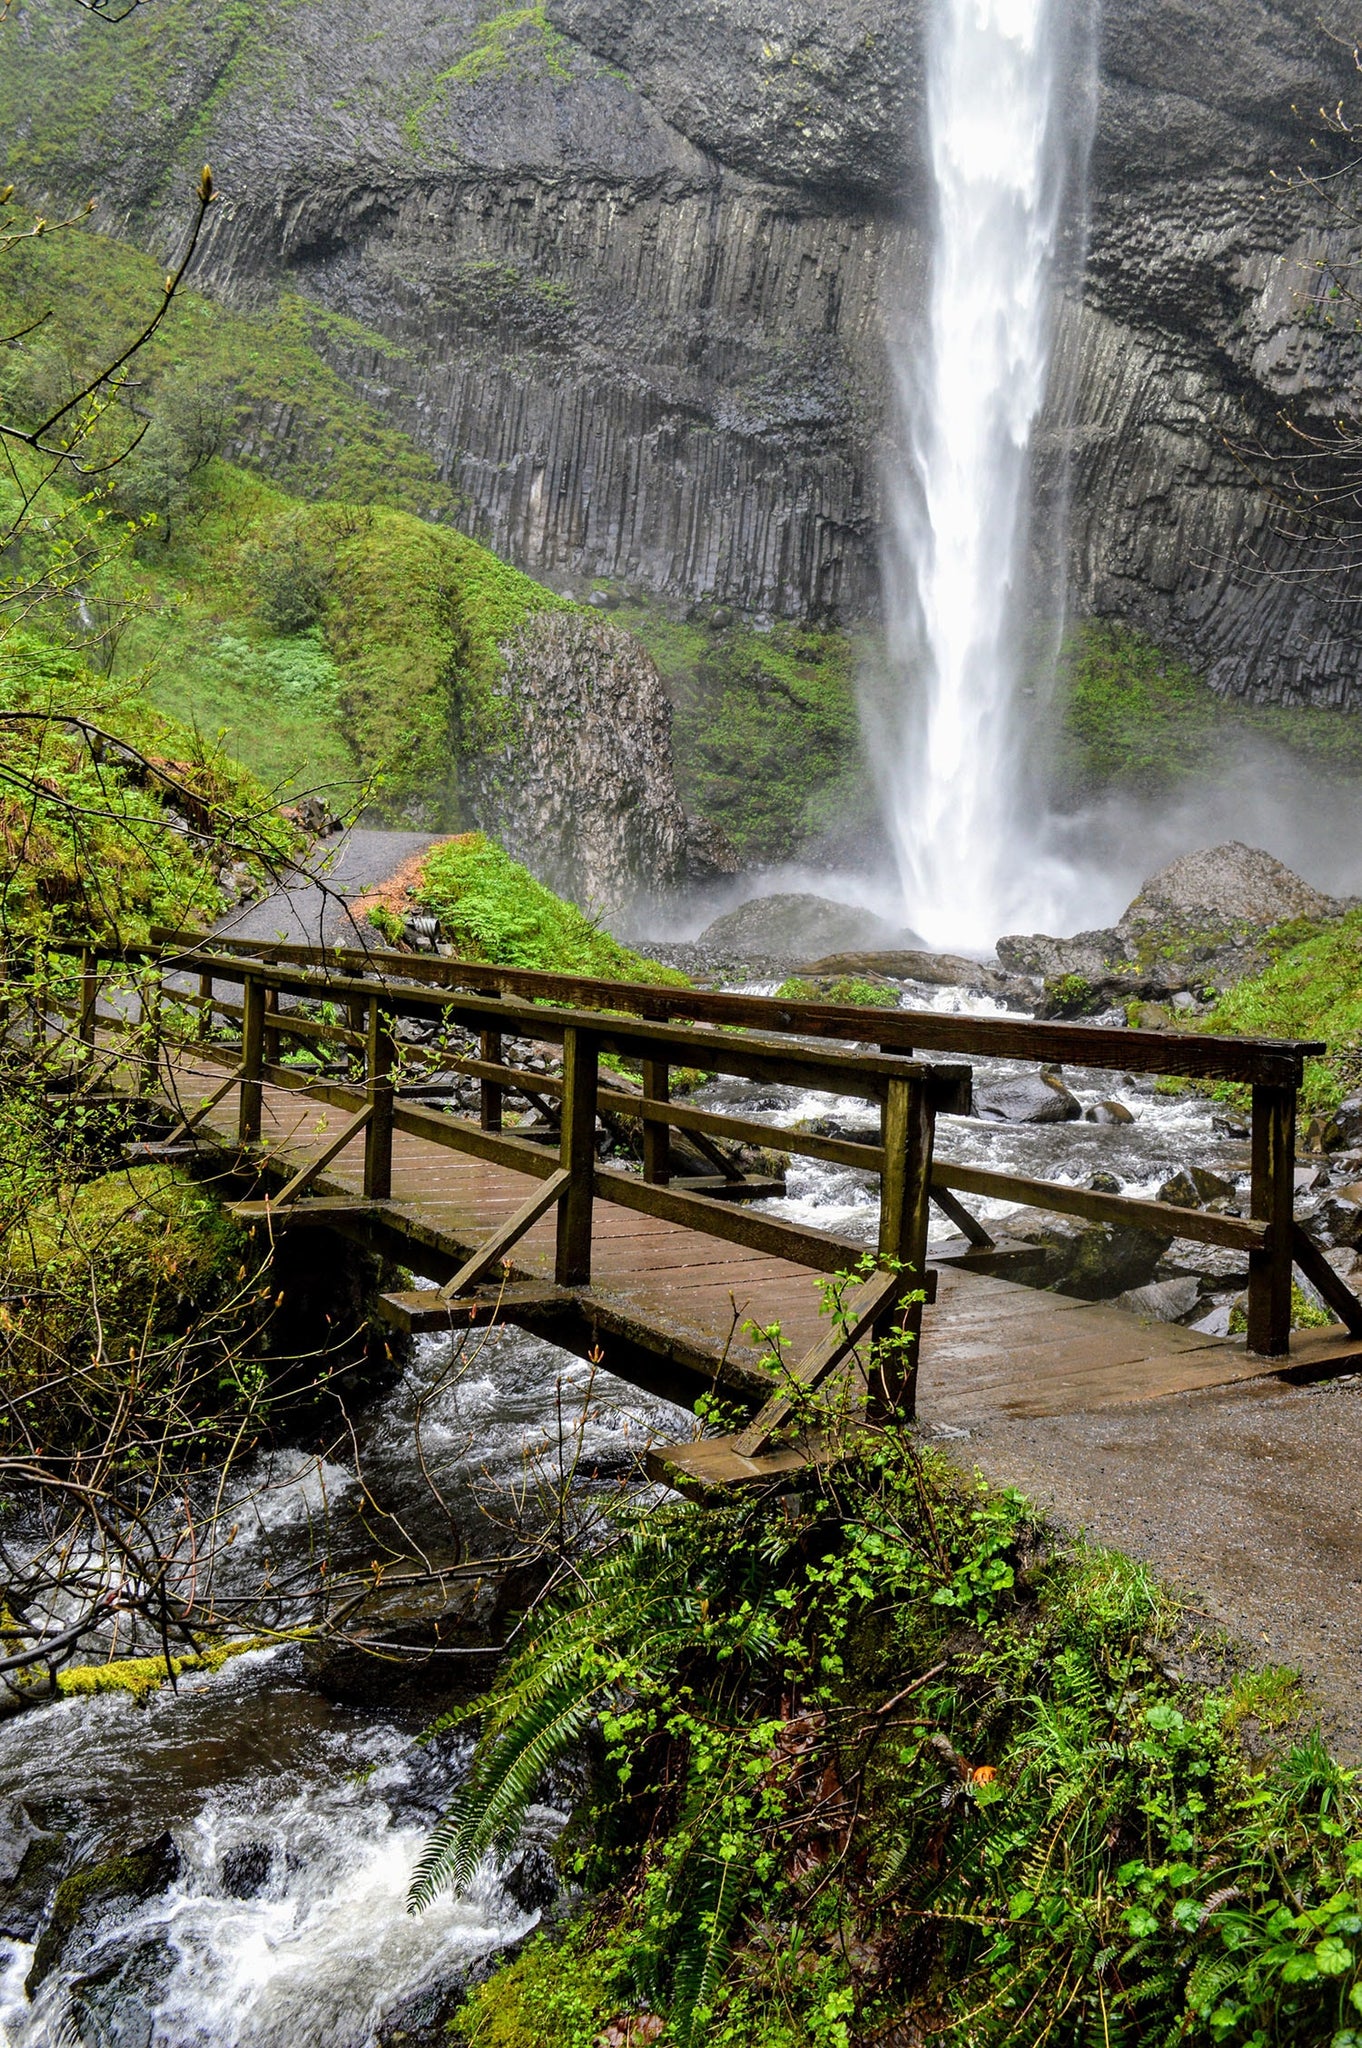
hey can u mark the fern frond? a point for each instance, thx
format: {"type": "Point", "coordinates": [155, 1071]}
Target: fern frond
{"type": "Point", "coordinates": [490, 1805]}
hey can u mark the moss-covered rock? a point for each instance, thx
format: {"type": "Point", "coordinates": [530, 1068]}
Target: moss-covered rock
{"type": "Point", "coordinates": [137, 1279]}
{"type": "Point", "coordinates": [491, 908]}
{"type": "Point", "coordinates": [91, 1896]}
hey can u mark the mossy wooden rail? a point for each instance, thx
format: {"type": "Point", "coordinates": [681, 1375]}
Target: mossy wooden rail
{"type": "Point", "coordinates": [348, 1005]}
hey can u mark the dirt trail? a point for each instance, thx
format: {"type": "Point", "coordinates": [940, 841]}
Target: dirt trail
{"type": "Point", "coordinates": [1248, 1499]}
{"type": "Point", "coordinates": [350, 867]}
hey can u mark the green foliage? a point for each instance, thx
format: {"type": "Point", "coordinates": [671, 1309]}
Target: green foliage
{"type": "Point", "coordinates": [97, 842]}
{"type": "Point", "coordinates": [1305, 1314]}
{"type": "Point", "coordinates": [766, 729]}
{"type": "Point", "coordinates": [519, 41]}
{"type": "Point", "coordinates": [491, 908]}
{"type": "Point", "coordinates": [1312, 990]}
{"type": "Point", "coordinates": [211, 371]}
{"type": "Point", "coordinates": [1131, 717]}
{"type": "Point", "coordinates": [839, 988]}
{"type": "Point", "coordinates": [884, 1763]}
{"type": "Point", "coordinates": [102, 1279]}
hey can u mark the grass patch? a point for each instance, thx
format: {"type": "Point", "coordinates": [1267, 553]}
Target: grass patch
{"type": "Point", "coordinates": [765, 728]}
{"type": "Point", "coordinates": [1312, 990]}
{"type": "Point", "coordinates": [98, 844]}
{"type": "Point", "coordinates": [491, 908]}
{"type": "Point", "coordinates": [1132, 717]}
{"type": "Point", "coordinates": [842, 988]}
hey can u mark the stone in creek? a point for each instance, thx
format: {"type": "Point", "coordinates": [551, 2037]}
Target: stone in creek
{"type": "Point", "coordinates": [96, 1894]}
{"type": "Point", "coordinates": [1105, 1184]}
{"type": "Point", "coordinates": [1193, 1186]}
{"type": "Point", "coordinates": [246, 1869]}
{"type": "Point", "coordinates": [1093, 1260]}
{"type": "Point", "coordinates": [1334, 1218]}
{"type": "Point", "coordinates": [1336, 1130]}
{"type": "Point", "coordinates": [32, 1862]}
{"type": "Point", "coordinates": [1040, 1098]}
{"type": "Point", "coordinates": [1168, 1301]}
{"type": "Point", "coordinates": [1107, 1113]}
{"type": "Point", "coordinates": [117, 2001]}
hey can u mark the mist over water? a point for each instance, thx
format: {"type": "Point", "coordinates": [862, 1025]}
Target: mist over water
{"type": "Point", "coordinates": [969, 846]}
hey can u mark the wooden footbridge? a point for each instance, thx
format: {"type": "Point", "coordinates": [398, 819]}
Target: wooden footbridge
{"type": "Point", "coordinates": [316, 1068]}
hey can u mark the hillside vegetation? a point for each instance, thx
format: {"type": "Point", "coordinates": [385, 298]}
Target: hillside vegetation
{"type": "Point", "coordinates": [349, 644]}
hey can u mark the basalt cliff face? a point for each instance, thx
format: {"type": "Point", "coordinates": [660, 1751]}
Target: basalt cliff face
{"type": "Point", "coordinates": [628, 263]}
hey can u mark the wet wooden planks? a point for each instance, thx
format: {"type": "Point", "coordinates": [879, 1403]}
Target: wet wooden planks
{"type": "Point", "coordinates": [989, 1346]}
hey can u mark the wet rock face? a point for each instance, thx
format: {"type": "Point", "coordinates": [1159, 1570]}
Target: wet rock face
{"type": "Point", "coordinates": [636, 262]}
{"type": "Point", "coordinates": [583, 790]}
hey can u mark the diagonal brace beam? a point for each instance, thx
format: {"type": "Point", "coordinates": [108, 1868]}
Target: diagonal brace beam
{"type": "Point", "coordinates": [305, 1175]}
{"type": "Point", "coordinates": [1331, 1285]}
{"type": "Point", "coordinates": [187, 1123]}
{"type": "Point", "coordinates": [870, 1301]}
{"type": "Point", "coordinates": [510, 1232]}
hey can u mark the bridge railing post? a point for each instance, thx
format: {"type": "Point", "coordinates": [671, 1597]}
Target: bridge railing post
{"type": "Point", "coordinates": [251, 1095]}
{"type": "Point", "coordinates": [270, 1042]}
{"type": "Point", "coordinates": [1272, 1191]}
{"type": "Point", "coordinates": [89, 994]}
{"type": "Point", "coordinates": [205, 1006]}
{"type": "Point", "coordinates": [577, 1156]}
{"type": "Point", "coordinates": [907, 1126]}
{"type": "Point", "coordinates": [490, 1093]}
{"type": "Point", "coordinates": [378, 1135]}
{"type": "Point", "coordinates": [657, 1135]}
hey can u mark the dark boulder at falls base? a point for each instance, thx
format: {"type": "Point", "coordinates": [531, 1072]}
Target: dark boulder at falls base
{"type": "Point", "coordinates": [789, 928]}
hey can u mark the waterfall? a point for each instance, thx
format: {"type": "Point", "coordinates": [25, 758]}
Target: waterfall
{"type": "Point", "coordinates": [951, 754]}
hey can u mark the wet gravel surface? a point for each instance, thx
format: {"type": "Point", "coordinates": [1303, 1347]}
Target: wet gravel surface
{"type": "Point", "coordinates": [1247, 1499]}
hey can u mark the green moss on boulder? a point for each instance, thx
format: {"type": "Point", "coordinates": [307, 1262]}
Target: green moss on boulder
{"type": "Point", "coordinates": [491, 908]}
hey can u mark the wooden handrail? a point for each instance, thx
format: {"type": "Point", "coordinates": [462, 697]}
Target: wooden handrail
{"type": "Point", "coordinates": [664, 1027]}
{"type": "Point", "coordinates": [1191, 1054]}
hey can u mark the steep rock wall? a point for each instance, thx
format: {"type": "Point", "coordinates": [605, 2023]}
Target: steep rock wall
{"type": "Point", "coordinates": [628, 262]}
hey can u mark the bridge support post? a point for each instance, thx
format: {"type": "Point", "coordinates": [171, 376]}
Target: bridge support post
{"type": "Point", "coordinates": [657, 1136]}
{"type": "Point", "coordinates": [1272, 1191]}
{"type": "Point", "coordinates": [270, 1042]}
{"type": "Point", "coordinates": [907, 1126]}
{"type": "Point", "coordinates": [490, 1093]}
{"type": "Point", "coordinates": [89, 994]}
{"type": "Point", "coordinates": [252, 1060]}
{"type": "Point", "coordinates": [577, 1157]}
{"type": "Point", "coordinates": [378, 1134]}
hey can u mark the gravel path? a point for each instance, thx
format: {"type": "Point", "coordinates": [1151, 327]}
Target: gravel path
{"type": "Point", "coordinates": [1247, 1499]}
{"type": "Point", "coordinates": [309, 913]}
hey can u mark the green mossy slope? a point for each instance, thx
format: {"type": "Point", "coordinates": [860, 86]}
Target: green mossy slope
{"type": "Point", "coordinates": [491, 908]}
{"type": "Point", "coordinates": [1312, 990]}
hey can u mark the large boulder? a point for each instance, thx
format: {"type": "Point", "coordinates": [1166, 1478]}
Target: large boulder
{"type": "Point", "coordinates": [582, 787]}
{"type": "Point", "coordinates": [1039, 1098]}
{"type": "Point", "coordinates": [1233, 883]}
{"type": "Point", "coordinates": [787, 928]}
{"type": "Point", "coordinates": [1196, 927]}
{"type": "Point", "coordinates": [95, 1897]}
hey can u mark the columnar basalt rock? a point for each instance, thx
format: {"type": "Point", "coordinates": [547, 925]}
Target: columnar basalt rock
{"type": "Point", "coordinates": [628, 262]}
{"type": "Point", "coordinates": [581, 789]}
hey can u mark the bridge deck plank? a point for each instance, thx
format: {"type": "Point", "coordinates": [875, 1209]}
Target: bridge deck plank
{"type": "Point", "coordinates": [989, 1346]}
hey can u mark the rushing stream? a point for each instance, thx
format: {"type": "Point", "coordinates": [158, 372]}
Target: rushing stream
{"type": "Point", "coordinates": [297, 1821]}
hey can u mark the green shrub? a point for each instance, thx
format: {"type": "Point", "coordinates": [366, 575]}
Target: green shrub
{"type": "Point", "coordinates": [1312, 990]}
{"type": "Point", "coordinates": [491, 908]}
{"type": "Point", "coordinates": [877, 1758]}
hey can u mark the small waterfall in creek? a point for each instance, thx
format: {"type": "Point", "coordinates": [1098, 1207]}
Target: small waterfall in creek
{"type": "Point", "coordinates": [970, 388]}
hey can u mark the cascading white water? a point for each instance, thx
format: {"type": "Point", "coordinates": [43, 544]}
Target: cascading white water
{"type": "Point", "coordinates": [970, 390]}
